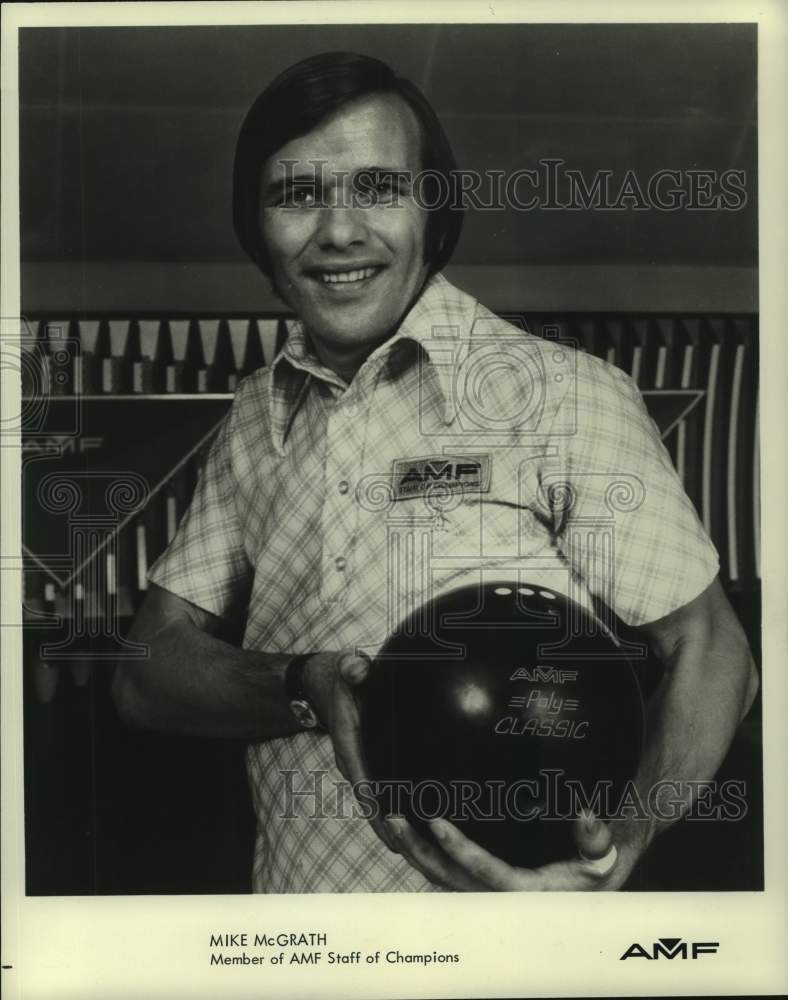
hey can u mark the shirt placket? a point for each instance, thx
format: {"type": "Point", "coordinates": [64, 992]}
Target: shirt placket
{"type": "Point", "coordinates": [345, 438]}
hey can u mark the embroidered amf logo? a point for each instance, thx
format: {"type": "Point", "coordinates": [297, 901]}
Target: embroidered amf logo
{"type": "Point", "coordinates": [419, 477]}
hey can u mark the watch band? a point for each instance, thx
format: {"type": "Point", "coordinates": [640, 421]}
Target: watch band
{"type": "Point", "coordinates": [294, 689]}
{"type": "Point", "coordinates": [294, 676]}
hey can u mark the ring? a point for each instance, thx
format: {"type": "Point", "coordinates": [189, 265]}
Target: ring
{"type": "Point", "coordinates": [601, 866]}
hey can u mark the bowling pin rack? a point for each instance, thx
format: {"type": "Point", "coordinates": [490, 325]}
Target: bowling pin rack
{"type": "Point", "coordinates": [192, 362]}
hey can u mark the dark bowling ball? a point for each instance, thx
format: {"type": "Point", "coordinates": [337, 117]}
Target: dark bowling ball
{"type": "Point", "coordinates": [500, 706]}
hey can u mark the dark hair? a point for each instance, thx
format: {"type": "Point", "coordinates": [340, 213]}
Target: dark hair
{"type": "Point", "coordinates": [296, 102]}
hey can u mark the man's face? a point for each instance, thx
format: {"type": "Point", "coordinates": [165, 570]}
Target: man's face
{"type": "Point", "coordinates": [349, 270]}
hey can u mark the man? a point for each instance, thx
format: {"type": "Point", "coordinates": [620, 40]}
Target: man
{"type": "Point", "coordinates": [337, 185]}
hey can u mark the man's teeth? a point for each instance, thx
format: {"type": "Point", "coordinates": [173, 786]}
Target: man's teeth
{"type": "Point", "coordinates": [343, 277]}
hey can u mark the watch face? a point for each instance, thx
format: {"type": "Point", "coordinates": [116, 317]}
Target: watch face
{"type": "Point", "coordinates": [304, 713]}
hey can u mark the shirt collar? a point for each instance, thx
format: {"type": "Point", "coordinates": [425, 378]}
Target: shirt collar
{"type": "Point", "coordinates": [438, 321]}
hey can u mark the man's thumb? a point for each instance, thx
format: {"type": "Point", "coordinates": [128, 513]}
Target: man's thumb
{"type": "Point", "coordinates": [353, 669]}
{"type": "Point", "coordinates": [592, 837]}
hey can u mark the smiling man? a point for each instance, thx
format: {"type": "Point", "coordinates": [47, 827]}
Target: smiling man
{"type": "Point", "coordinates": [339, 169]}
{"type": "Point", "coordinates": [350, 275]}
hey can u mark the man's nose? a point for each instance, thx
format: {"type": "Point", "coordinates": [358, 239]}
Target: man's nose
{"type": "Point", "coordinates": [340, 226]}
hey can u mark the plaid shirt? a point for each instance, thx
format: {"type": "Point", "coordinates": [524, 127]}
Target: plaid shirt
{"type": "Point", "coordinates": [464, 449]}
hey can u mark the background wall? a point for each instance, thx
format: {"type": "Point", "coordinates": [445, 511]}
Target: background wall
{"type": "Point", "coordinates": [127, 140]}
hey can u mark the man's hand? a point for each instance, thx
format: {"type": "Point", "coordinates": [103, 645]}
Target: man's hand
{"type": "Point", "coordinates": [705, 654]}
{"type": "Point", "coordinates": [461, 864]}
{"type": "Point", "coordinates": [332, 683]}
{"type": "Point", "coordinates": [600, 865]}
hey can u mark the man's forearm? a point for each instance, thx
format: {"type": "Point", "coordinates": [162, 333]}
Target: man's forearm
{"type": "Point", "coordinates": [192, 682]}
{"type": "Point", "coordinates": [709, 686]}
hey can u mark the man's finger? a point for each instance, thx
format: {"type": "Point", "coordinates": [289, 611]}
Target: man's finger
{"type": "Point", "coordinates": [429, 860]}
{"type": "Point", "coordinates": [348, 754]}
{"type": "Point", "coordinates": [346, 736]}
{"type": "Point", "coordinates": [353, 669]}
{"type": "Point", "coordinates": [574, 875]}
{"type": "Point", "coordinates": [592, 837]}
{"type": "Point", "coordinates": [483, 867]}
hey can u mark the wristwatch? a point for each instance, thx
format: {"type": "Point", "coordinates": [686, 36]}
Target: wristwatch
{"type": "Point", "coordinates": [305, 715]}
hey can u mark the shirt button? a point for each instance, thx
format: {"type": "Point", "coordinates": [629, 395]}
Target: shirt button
{"type": "Point", "coordinates": [343, 486]}
{"type": "Point", "coordinates": [340, 563]}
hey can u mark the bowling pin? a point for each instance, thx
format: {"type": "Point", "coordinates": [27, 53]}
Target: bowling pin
{"type": "Point", "coordinates": [141, 363]}
{"type": "Point", "coordinates": [171, 515]}
{"type": "Point", "coordinates": [116, 369]}
{"type": "Point", "coordinates": [177, 381]}
{"type": "Point", "coordinates": [617, 352]}
{"type": "Point", "coordinates": [80, 669]}
{"type": "Point", "coordinates": [224, 361]}
{"type": "Point", "coordinates": [268, 332]}
{"type": "Point", "coordinates": [85, 380]}
{"type": "Point", "coordinates": [141, 553]}
{"type": "Point", "coordinates": [253, 355]}
{"type": "Point", "coordinates": [45, 675]}
{"type": "Point", "coordinates": [208, 380]}
{"type": "Point", "coordinates": [238, 329]}
{"type": "Point", "coordinates": [149, 331]}
{"type": "Point", "coordinates": [643, 351]}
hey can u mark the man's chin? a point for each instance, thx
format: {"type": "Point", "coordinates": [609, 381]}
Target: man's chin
{"type": "Point", "coordinates": [350, 340]}
{"type": "Point", "coordinates": [348, 326]}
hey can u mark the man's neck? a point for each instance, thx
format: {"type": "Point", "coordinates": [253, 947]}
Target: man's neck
{"type": "Point", "coordinates": [344, 364]}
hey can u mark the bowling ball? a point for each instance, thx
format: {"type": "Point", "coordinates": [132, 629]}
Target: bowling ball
{"type": "Point", "coordinates": [503, 707]}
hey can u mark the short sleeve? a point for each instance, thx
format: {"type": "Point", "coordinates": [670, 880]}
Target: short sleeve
{"type": "Point", "coordinates": [620, 513]}
{"type": "Point", "coordinates": [206, 563]}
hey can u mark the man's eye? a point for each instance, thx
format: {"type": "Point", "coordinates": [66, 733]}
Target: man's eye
{"type": "Point", "coordinates": [301, 197]}
{"type": "Point", "coordinates": [297, 196]}
{"type": "Point", "coordinates": [380, 189]}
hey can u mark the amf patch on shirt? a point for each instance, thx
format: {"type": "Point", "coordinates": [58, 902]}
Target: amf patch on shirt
{"type": "Point", "coordinates": [427, 475]}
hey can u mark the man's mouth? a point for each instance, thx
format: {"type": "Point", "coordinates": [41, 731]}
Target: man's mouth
{"type": "Point", "coordinates": [345, 277]}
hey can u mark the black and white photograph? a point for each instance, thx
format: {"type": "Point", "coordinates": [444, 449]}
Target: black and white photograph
{"type": "Point", "coordinates": [383, 498]}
